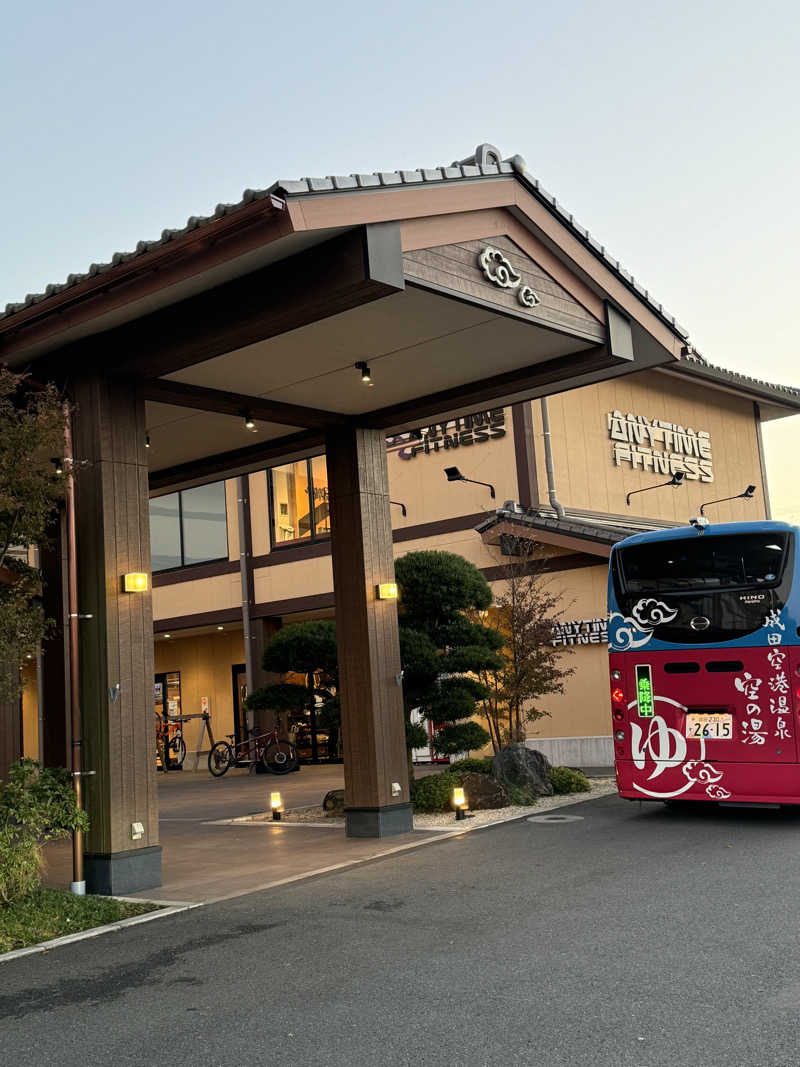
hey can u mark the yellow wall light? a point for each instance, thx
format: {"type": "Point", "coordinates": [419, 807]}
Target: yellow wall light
{"type": "Point", "coordinates": [135, 582]}
{"type": "Point", "coordinates": [387, 591]}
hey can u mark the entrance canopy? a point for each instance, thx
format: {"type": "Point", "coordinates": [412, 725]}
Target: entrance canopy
{"type": "Point", "coordinates": [461, 287]}
{"type": "Point", "coordinates": [319, 315]}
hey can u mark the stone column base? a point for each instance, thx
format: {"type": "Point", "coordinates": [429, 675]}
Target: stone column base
{"type": "Point", "coordinates": [120, 873]}
{"type": "Point", "coordinates": [379, 822]}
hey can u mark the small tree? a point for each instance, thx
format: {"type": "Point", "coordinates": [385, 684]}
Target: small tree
{"type": "Point", "coordinates": [531, 667]}
{"type": "Point", "coordinates": [31, 434]}
{"type": "Point", "coordinates": [443, 650]}
{"type": "Point", "coordinates": [307, 649]}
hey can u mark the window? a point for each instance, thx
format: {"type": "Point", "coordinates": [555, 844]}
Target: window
{"type": "Point", "coordinates": [188, 527]}
{"type": "Point", "coordinates": [299, 501]}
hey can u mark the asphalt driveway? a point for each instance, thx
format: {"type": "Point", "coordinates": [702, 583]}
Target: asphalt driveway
{"type": "Point", "coordinates": [631, 937]}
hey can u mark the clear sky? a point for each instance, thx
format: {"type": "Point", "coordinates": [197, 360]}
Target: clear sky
{"type": "Point", "coordinates": [669, 129]}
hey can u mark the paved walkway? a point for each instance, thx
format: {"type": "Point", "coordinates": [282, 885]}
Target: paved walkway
{"type": "Point", "coordinates": [203, 862]}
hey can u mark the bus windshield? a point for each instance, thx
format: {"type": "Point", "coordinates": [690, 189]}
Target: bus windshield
{"type": "Point", "coordinates": [731, 581]}
{"type": "Point", "coordinates": [704, 564]}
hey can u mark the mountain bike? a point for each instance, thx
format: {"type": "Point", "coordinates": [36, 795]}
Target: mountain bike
{"type": "Point", "coordinates": [276, 756]}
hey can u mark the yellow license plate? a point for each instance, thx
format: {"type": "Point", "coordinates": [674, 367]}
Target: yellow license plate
{"type": "Point", "coordinates": [717, 727]}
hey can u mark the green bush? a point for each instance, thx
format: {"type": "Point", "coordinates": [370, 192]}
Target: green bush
{"type": "Point", "coordinates": [482, 766]}
{"type": "Point", "coordinates": [568, 780]}
{"type": "Point", "coordinates": [434, 792]}
{"type": "Point", "coordinates": [36, 805]}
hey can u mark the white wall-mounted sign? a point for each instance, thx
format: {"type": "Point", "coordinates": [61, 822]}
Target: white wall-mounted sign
{"type": "Point", "coordinates": [659, 446]}
{"type": "Point", "coordinates": [499, 271]}
{"type": "Point", "coordinates": [580, 632]}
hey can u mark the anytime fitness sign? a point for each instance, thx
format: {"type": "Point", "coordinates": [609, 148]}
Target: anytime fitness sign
{"type": "Point", "coordinates": [468, 430]}
{"type": "Point", "coordinates": [580, 632]}
{"type": "Point", "coordinates": [659, 446]}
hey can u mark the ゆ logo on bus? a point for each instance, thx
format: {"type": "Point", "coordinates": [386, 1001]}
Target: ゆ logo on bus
{"type": "Point", "coordinates": [636, 629]}
{"type": "Point", "coordinates": [663, 747]}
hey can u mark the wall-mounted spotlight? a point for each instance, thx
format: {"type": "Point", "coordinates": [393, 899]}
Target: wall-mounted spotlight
{"type": "Point", "coordinates": [748, 494]}
{"type": "Point", "coordinates": [675, 481]}
{"type": "Point", "coordinates": [249, 423]}
{"type": "Point", "coordinates": [363, 369]}
{"type": "Point", "coordinates": [453, 474]}
{"type": "Point", "coordinates": [147, 440]}
{"type": "Point", "coordinates": [58, 464]}
{"type": "Point", "coordinates": [402, 507]}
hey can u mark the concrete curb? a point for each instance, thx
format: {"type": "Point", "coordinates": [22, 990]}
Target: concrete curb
{"type": "Point", "coordinates": [165, 908]}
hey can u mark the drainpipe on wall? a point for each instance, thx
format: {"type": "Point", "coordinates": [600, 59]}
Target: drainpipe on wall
{"type": "Point", "coordinates": [548, 461]}
{"type": "Point", "coordinates": [245, 548]}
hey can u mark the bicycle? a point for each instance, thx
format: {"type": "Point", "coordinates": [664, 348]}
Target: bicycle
{"type": "Point", "coordinates": [276, 756]}
{"type": "Point", "coordinates": [170, 746]}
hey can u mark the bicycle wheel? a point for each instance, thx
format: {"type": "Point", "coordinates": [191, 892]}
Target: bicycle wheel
{"type": "Point", "coordinates": [177, 748]}
{"type": "Point", "coordinates": [279, 757]}
{"type": "Point", "coordinates": [220, 758]}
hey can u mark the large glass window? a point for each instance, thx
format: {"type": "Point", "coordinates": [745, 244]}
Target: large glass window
{"type": "Point", "coordinates": [189, 527]}
{"type": "Point", "coordinates": [299, 501]}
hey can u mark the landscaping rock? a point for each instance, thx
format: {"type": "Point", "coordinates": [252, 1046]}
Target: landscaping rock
{"type": "Point", "coordinates": [334, 801]}
{"type": "Point", "coordinates": [483, 792]}
{"type": "Point", "coordinates": [517, 765]}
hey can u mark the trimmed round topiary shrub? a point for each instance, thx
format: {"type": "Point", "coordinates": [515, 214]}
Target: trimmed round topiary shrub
{"type": "Point", "coordinates": [434, 792]}
{"type": "Point", "coordinates": [480, 766]}
{"type": "Point", "coordinates": [568, 780]}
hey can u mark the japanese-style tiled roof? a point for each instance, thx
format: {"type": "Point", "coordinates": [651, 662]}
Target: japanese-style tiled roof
{"type": "Point", "coordinates": [538, 519]}
{"type": "Point", "coordinates": [485, 164]}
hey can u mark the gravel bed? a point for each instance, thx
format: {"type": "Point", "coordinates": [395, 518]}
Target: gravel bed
{"type": "Point", "coordinates": [601, 787]}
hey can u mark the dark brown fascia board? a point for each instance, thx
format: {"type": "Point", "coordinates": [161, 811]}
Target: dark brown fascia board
{"type": "Point", "coordinates": [495, 388]}
{"type": "Point", "coordinates": [180, 394]}
{"type": "Point", "coordinates": [245, 460]}
{"type": "Point", "coordinates": [169, 263]}
{"type": "Point", "coordinates": [342, 273]}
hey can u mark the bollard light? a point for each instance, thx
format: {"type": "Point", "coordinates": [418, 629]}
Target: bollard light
{"type": "Point", "coordinates": [276, 804]}
{"type": "Point", "coordinates": [460, 803]}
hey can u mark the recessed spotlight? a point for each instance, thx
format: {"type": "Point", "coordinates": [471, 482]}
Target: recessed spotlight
{"type": "Point", "coordinates": [220, 627]}
{"type": "Point", "coordinates": [363, 368]}
{"type": "Point", "coordinates": [167, 635]}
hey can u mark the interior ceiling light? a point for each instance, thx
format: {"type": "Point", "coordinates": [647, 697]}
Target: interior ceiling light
{"type": "Point", "coordinates": [249, 423]}
{"type": "Point", "coordinates": [363, 369]}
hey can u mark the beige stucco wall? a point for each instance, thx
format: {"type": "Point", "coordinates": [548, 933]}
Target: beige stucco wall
{"type": "Point", "coordinates": [587, 477]}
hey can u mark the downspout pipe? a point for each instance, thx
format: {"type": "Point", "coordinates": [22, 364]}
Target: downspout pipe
{"type": "Point", "coordinates": [548, 460]}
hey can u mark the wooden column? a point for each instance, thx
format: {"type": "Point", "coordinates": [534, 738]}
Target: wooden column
{"type": "Point", "coordinates": [116, 643]}
{"type": "Point", "coordinates": [377, 800]}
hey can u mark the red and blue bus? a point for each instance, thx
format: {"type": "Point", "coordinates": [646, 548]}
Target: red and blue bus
{"type": "Point", "coordinates": [704, 661]}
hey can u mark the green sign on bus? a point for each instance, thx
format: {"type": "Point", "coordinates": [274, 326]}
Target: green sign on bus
{"type": "Point", "coordinates": [644, 690]}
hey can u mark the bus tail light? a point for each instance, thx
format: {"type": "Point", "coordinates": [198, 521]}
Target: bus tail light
{"type": "Point", "coordinates": [617, 695]}
{"type": "Point", "coordinates": [616, 675]}
{"type": "Point", "coordinates": [619, 735]}
{"type": "Point", "coordinates": [619, 714]}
